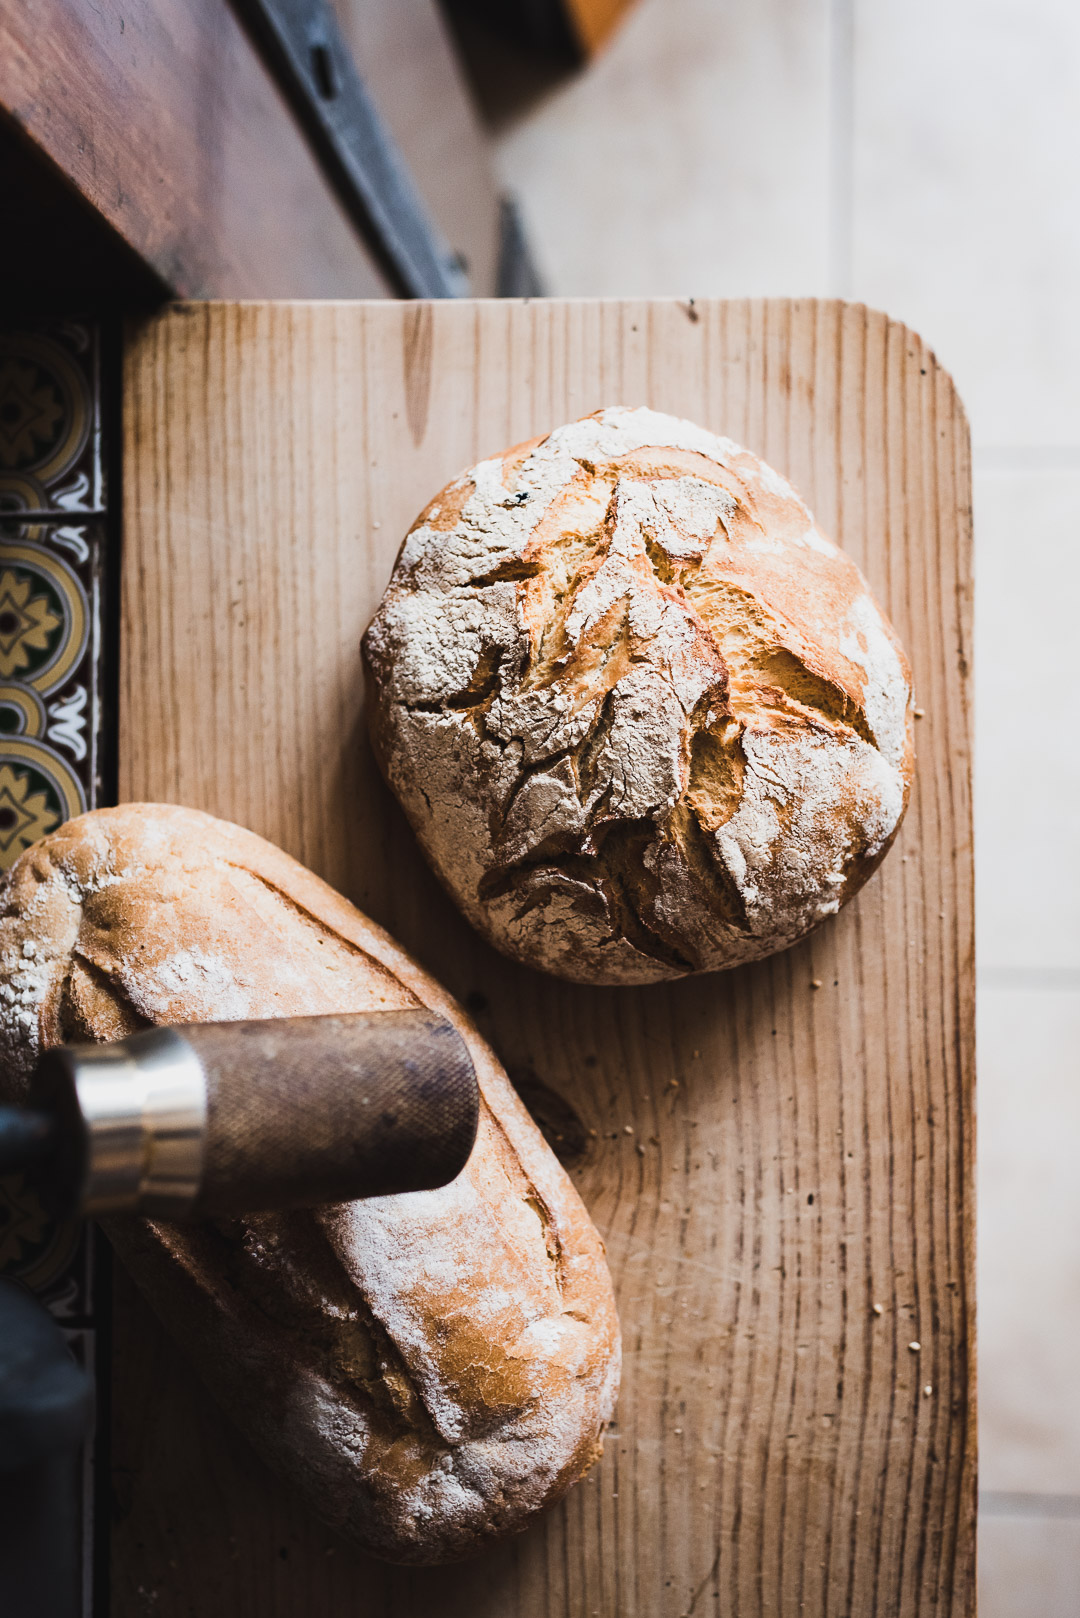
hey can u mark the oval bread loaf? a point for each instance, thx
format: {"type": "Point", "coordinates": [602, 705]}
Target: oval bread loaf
{"type": "Point", "coordinates": [431, 1369]}
{"type": "Point", "coordinates": [644, 717]}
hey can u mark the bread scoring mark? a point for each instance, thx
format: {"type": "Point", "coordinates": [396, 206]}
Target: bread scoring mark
{"type": "Point", "coordinates": [676, 614]}
{"type": "Point", "coordinates": [291, 906]}
{"type": "Point", "coordinates": [35, 959]}
{"type": "Point", "coordinates": [94, 1005]}
{"type": "Point", "coordinates": [414, 1426]}
{"type": "Point", "coordinates": [289, 1266]}
{"type": "Point", "coordinates": [714, 786]}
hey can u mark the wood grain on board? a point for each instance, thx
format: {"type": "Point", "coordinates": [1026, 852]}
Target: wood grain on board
{"type": "Point", "coordinates": [790, 1209]}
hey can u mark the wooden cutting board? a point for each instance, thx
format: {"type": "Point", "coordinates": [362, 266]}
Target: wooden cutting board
{"type": "Point", "coordinates": [782, 1173]}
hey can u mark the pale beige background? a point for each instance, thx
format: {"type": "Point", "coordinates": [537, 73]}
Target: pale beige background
{"type": "Point", "coordinates": [924, 156]}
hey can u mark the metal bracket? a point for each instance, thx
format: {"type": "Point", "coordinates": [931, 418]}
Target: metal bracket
{"type": "Point", "coordinates": [311, 62]}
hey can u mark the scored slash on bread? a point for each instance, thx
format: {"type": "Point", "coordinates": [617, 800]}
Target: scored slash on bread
{"type": "Point", "coordinates": [430, 1370]}
{"type": "Point", "coordinates": [644, 717]}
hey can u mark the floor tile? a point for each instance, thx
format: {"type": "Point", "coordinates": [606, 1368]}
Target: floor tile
{"type": "Point", "coordinates": [1029, 1240]}
{"type": "Point", "coordinates": [1029, 1567]}
{"type": "Point", "coordinates": [1027, 763]}
{"type": "Point", "coordinates": [966, 164]}
{"type": "Point", "coordinates": [692, 157]}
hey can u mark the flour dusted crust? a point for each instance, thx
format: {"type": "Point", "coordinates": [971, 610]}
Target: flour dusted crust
{"type": "Point", "coordinates": [431, 1370]}
{"type": "Point", "coordinates": [644, 717]}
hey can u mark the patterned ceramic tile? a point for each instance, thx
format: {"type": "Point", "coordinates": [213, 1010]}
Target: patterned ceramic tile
{"type": "Point", "coordinates": [52, 564]}
{"type": "Point", "coordinates": [51, 557]}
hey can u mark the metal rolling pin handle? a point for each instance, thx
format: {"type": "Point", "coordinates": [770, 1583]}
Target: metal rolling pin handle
{"type": "Point", "coordinates": [215, 1119]}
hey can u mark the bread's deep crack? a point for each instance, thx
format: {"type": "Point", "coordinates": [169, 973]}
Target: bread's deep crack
{"type": "Point", "coordinates": [673, 743]}
{"type": "Point", "coordinates": [92, 998]}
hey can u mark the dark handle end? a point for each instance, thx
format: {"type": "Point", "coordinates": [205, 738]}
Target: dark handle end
{"type": "Point", "coordinates": [330, 1109]}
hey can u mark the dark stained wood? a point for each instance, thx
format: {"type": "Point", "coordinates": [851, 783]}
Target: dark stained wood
{"type": "Point", "coordinates": [164, 122]}
{"type": "Point", "coordinates": [167, 124]}
{"type": "Point", "coordinates": [800, 1158]}
{"type": "Point", "coordinates": [61, 254]}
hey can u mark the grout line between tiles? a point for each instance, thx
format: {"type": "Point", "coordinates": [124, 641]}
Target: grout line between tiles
{"type": "Point", "coordinates": [1026, 458]}
{"type": "Point", "coordinates": [1019, 1503]}
{"type": "Point", "coordinates": [1029, 977]}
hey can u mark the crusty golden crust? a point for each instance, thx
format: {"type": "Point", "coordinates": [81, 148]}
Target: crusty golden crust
{"type": "Point", "coordinates": [431, 1370]}
{"type": "Point", "coordinates": [644, 717]}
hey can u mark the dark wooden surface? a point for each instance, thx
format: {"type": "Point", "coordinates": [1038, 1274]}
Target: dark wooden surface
{"type": "Point", "coordinates": [165, 123]}
{"type": "Point", "coordinates": [782, 1172]}
{"type": "Point", "coordinates": [61, 254]}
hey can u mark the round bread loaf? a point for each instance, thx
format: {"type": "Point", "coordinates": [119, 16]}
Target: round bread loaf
{"type": "Point", "coordinates": [430, 1369]}
{"type": "Point", "coordinates": [644, 717]}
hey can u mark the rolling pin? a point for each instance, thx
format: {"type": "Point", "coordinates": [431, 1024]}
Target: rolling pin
{"type": "Point", "coordinates": [216, 1119]}
{"type": "Point", "coordinates": [202, 1121]}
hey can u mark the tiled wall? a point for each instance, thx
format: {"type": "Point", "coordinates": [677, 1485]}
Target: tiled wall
{"type": "Point", "coordinates": [924, 156]}
{"type": "Point", "coordinates": [53, 556]}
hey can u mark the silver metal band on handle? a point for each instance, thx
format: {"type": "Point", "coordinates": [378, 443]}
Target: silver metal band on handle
{"type": "Point", "coordinates": [145, 1105]}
